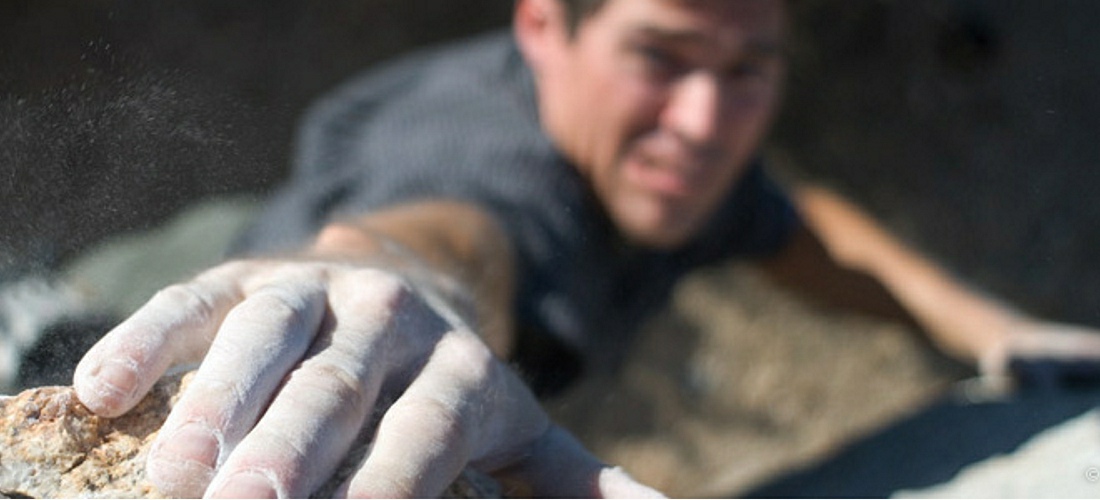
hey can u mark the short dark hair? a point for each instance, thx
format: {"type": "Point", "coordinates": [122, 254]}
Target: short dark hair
{"type": "Point", "coordinates": [577, 10]}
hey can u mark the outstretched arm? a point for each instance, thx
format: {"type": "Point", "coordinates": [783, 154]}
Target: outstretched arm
{"type": "Point", "coordinates": [845, 255]}
{"type": "Point", "coordinates": [401, 313]}
{"type": "Point", "coordinates": [453, 248]}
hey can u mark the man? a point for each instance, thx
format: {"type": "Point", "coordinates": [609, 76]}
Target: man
{"type": "Point", "coordinates": [526, 202]}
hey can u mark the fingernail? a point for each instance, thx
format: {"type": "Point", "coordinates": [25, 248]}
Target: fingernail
{"type": "Point", "coordinates": [246, 485]}
{"type": "Point", "coordinates": [112, 384]}
{"type": "Point", "coordinates": [182, 464]}
{"type": "Point", "coordinates": [193, 442]}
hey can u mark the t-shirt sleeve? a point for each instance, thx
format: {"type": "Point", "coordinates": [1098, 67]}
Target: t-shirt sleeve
{"type": "Point", "coordinates": [425, 127]}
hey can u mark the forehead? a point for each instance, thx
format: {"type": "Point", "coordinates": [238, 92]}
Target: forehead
{"type": "Point", "coordinates": [723, 22]}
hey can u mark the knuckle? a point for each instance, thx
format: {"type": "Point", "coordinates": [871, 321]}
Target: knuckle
{"type": "Point", "coordinates": [283, 309]}
{"type": "Point", "coordinates": [214, 401]}
{"type": "Point", "coordinates": [278, 307]}
{"type": "Point", "coordinates": [228, 270]}
{"type": "Point", "coordinates": [271, 447]}
{"type": "Point", "coordinates": [467, 356]}
{"type": "Point", "coordinates": [234, 267]}
{"type": "Point", "coordinates": [383, 485]}
{"type": "Point", "coordinates": [336, 381]}
{"type": "Point", "coordinates": [377, 289]}
{"type": "Point", "coordinates": [378, 298]}
{"type": "Point", "coordinates": [187, 297]}
{"type": "Point", "coordinates": [441, 420]}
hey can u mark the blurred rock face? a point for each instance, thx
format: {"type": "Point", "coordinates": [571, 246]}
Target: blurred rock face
{"type": "Point", "coordinates": [966, 124]}
{"type": "Point", "coordinates": [114, 115]}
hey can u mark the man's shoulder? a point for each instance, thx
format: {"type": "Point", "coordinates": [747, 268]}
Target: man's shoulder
{"type": "Point", "coordinates": [479, 56]}
{"type": "Point", "coordinates": [423, 101]}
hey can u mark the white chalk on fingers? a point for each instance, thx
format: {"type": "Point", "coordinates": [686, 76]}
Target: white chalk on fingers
{"type": "Point", "coordinates": [614, 482]}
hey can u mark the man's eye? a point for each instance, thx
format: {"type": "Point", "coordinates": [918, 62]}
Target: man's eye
{"type": "Point", "coordinates": [658, 60]}
{"type": "Point", "coordinates": [753, 69]}
{"type": "Point", "coordinates": [655, 55]}
{"type": "Point", "coordinates": [747, 70]}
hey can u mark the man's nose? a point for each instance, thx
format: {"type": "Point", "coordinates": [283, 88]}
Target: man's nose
{"type": "Point", "coordinates": [694, 110]}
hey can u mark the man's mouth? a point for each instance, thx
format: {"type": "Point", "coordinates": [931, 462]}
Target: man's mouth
{"type": "Point", "coordinates": [663, 166]}
{"type": "Point", "coordinates": [666, 175]}
{"type": "Point", "coordinates": [665, 181]}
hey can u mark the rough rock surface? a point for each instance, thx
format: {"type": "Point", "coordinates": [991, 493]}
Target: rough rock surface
{"type": "Point", "coordinates": [52, 446]}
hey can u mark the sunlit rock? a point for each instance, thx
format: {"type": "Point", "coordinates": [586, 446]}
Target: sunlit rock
{"type": "Point", "coordinates": [52, 446]}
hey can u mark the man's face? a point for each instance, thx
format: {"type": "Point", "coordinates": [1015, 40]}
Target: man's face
{"type": "Point", "coordinates": [660, 103]}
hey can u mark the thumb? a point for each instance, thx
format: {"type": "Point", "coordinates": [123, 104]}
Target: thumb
{"type": "Point", "coordinates": [560, 467]}
{"type": "Point", "coordinates": [994, 381]}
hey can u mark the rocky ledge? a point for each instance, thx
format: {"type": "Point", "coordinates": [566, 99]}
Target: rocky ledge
{"type": "Point", "coordinates": [52, 446]}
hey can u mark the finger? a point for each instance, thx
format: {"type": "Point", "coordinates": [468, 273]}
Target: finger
{"type": "Point", "coordinates": [994, 380]}
{"type": "Point", "coordinates": [614, 482]}
{"type": "Point", "coordinates": [467, 409]}
{"type": "Point", "coordinates": [560, 467]}
{"type": "Point", "coordinates": [429, 434]}
{"type": "Point", "coordinates": [311, 422]}
{"type": "Point", "coordinates": [302, 436]}
{"type": "Point", "coordinates": [516, 435]}
{"type": "Point", "coordinates": [174, 327]}
{"type": "Point", "coordinates": [258, 342]}
{"type": "Point", "coordinates": [1056, 341]}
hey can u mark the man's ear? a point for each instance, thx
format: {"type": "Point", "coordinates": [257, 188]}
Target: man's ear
{"type": "Point", "coordinates": [540, 27]}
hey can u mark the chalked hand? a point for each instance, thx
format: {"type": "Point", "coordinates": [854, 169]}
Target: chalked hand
{"type": "Point", "coordinates": [296, 357]}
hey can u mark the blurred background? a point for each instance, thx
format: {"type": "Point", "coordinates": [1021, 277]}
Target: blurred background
{"type": "Point", "coordinates": [967, 126]}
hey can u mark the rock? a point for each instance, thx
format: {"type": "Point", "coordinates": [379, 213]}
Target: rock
{"type": "Point", "coordinates": [52, 446]}
{"type": "Point", "coordinates": [1061, 462]}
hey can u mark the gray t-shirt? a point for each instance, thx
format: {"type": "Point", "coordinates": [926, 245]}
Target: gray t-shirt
{"type": "Point", "coordinates": [460, 122]}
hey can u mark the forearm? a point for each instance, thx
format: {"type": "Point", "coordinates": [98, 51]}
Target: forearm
{"type": "Point", "coordinates": [452, 248]}
{"type": "Point", "coordinates": [959, 319]}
